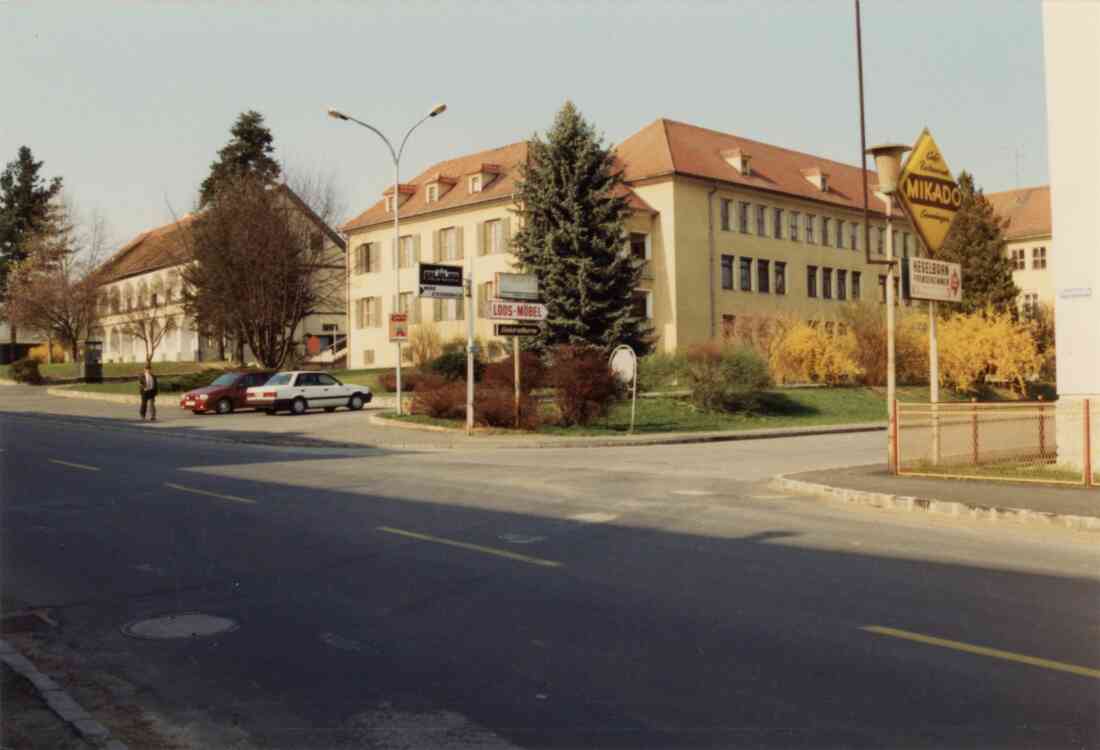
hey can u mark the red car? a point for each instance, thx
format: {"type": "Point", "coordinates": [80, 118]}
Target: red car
{"type": "Point", "coordinates": [226, 393]}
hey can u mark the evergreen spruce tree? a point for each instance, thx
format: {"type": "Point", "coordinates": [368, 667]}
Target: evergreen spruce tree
{"type": "Point", "coordinates": [247, 153]}
{"type": "Point", "coordinates": [976, 240]}
{"type": "Point", "coordinates": [25, 208]}
{"type": "Point", "coordinates": [572, 239]}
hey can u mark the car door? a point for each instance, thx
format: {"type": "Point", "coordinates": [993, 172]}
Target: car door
{"type": "Point", "coordinates": [331, 390]}
{"type": "Point", "coordinates": [308, 388]}
{"type": "Point", "coordinates": [250, 380]}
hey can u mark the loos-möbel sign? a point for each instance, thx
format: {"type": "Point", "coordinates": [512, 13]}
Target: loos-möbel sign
{"type": "Point", "coordinates": [924, 278]}
{"type": "Point", "coordinates": [504, 310]}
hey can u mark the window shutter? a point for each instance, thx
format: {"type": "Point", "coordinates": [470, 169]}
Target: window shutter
{"type": "Point", "coordinates": [506, 235]}
{"type": "Point", "coordinates": [481, 238]}
{"type": "Point", "coordinates": [375, 257]}
{"type": "Point", "coordinates": [416, 249]}
{"type": "Point", "coordinates": [376, 318]}
{"type": "Point", "coordinates": [437, 305]}
{"type": "Point", "coordinates": [436, 252]}
{"type": "Point", "coordinates": [460, 308]}
{"type": "Point", "coordinates": [460, 232]}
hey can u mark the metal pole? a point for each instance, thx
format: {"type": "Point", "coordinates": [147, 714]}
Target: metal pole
{"type": "Point", "coordinates": [934, 381]}
{"type": "Point", "coordinates": [634, 396]}
{"type": "Point", "coordinates": [470, 351]}
{"type": "Point", "coordinates": [891, 374]}
{"type": "Point", "coordinates": [863, 141]}
{"type": "Point", "coordinates": [515, 356]}
{"type": "Point", "coordinates": [1088, 444]}
{"type": "Point", "coordinates": [396, 263]}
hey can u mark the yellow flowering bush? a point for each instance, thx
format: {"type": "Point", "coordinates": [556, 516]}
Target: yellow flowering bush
{"type": "Point", "coordinates": [809, 354]}
{"type": "Point", "coordinates": [985, 347]}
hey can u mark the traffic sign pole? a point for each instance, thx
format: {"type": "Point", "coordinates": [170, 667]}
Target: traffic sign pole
{"type": "Point", "coordinates": [515, 356]}
{"type": "Point", "coordinates": [934, 381]}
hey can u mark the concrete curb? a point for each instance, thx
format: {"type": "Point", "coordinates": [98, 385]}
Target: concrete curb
{"type": "Point", "coordinates": [114, 398]}
{"type": "Point", "coordinates": [657, 439]}
{"type": "Point", "coordinates": [970, 511]}
{"type": "Point", "coordinates": [59, 701]}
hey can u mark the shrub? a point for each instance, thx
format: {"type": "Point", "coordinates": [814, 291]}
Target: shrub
{"type": "Point", "coordinates": [452, 365]}
{"type": "Point", "coordinates": [810, 354]}
{"type": "Point", "coordinates": [584, 383]}
{"type": "Point", "coordinates": [410, 380]}
{"type": "Point", "coordinates": [26, 371]}
{"type": "Point", "coordinates": [440, 398]}
{"type": "Point", "coordinates": [425, 344]}
{"type": "Point", "coordinates": [190, 381]}
{"type": "Point", "coordinates": [867, 322]}
{"type": "Point", "coordinates": [495, 406]}
{"type": "Point", "coordinates": [726, 378]}
{"type": "Point", "coordinates": [759, 333]}
{"type": "Point", "coordinates": [986, 346]}
{"type": "Point", "coordinates": [502, 373]}
{"type": "Point", "coordinates": [659, 370]}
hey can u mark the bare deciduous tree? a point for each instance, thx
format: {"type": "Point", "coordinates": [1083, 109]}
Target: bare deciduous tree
{"type": "Point", "coordinates": [143, 324]}
{"type": "Point", "coordinates": [261, 265]}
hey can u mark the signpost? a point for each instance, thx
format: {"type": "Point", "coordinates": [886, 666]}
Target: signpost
{"type": "Point", "coordinates": [518, 286]}
{"type": "Point", "coordinates": [516, 329]}
{"type": "Point", "coordinates": [624, 363]}
{"type": "Point", "coordinates": [399, 329]}
{"type": "Point", "coordinates": [501, 309]}
{"type": "Point", "coordinates": [439, 281]}
{"type": "Point", "coordinates": [931, 197]}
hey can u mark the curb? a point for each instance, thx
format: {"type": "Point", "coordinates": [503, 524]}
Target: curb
{"type": "Point", "coordinates": [59, 701]}
{"type": "Point", "coordinates": [114, 398]}
{"type": "Point", "coordinates": [908, 503]}
{"type": "Point", "coordinates": [667, 439]}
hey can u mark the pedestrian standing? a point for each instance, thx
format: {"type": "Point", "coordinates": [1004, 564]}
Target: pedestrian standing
{"type": "Point", "coordinates": [148, 387]}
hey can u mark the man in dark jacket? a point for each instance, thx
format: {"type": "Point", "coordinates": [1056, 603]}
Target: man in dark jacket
{"type": "Point", "coordinates": [148, 387]}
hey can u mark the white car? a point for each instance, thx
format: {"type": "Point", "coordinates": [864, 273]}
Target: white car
{"type": "Point", "coordinates": [297, 392]}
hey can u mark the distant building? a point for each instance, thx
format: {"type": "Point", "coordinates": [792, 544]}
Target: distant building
{"type": "Point", "coordinates": [731, 230]}
{"type": "Point", "coordinates": [1029, 242]}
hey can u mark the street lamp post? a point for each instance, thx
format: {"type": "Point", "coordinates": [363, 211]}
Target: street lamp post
{"type": "Point", "coordinates": [888, 165]}
{"type": "Point", "coordinates": [396, 154]}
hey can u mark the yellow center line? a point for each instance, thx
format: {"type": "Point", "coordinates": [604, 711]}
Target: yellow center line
{"type": "Point", "coordinates": [472, 547]}
{"type": "Point", "coordinates": [75, 466]}
{"type": "Point", "coordinates": [983, 651]}
{"type": "Point", "coordinates": [234, 498]}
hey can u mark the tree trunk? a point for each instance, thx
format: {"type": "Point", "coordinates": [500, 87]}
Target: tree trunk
{"type": "Point", "coordinates": [49, 350]}
{"type": "Point", "coordinates": [221, 348]}
{"type": "Point", "coordinates": [239, 354]}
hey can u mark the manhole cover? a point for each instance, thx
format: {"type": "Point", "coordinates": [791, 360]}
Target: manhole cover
{"type": "Point", "coordinates": [183, 625]}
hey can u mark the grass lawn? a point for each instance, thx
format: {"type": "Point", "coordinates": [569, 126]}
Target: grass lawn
{"type": "Point", "coordinates": [368, 377]}
{"type": "Point", "coordinates": [115, 369]}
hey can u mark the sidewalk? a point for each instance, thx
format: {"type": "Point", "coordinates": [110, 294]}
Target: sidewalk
{"type": "Point", "coordinates": [340, 429]}
{"type": "Point", "coordinates": [1071, 507]}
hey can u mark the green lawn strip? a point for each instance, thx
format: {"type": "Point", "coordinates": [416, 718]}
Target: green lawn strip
{"type": "Point", "coordinates": [368, 377]}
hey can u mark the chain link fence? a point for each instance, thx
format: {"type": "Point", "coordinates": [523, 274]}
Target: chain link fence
{"type": "Point", "coordinates": [1029, 442]}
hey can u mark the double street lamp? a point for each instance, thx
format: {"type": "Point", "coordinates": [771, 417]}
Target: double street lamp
{"type": "Point", "coordinates": [396, 154]}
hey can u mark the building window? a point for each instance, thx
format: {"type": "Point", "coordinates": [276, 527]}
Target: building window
{"type": "Point", "coordinates": [746, 274]}
{"type": "Point", "coordinates": [728, 326]}
{"type": "Point", "coordinates": [406, 255]}
{"type": "Point", "coordinates": [726, 214]}
{"type": "Point", "coordinates": [827, 283]}
{"type": "Point", "coordinates": [1018, 259]}
{"type": "Point", "coordinates": [475, 183]}
{"type": "Point", "coordinates": [1031, 305]}
{"type": "Point", "coordinates": [368, 357]}
{"type": "Point", "coordinates": [882, 289]}
{"type": "Point", "coordinates": [841, 284]}
{"type": "Point", "coordinates": [855, 236]}
{"type": "Point", "coordinates": [449, 246]}
{"type": "Point", "coordinates": [881, 240]}
{"type": "Point", "coordinates": [368, 312]}
{"type": "Point", "coordinates": [793, 233]}
{"type": "Point", "coordinates": [727, 272]}
{"type": "Point", "coordinates": [763, 282]}
{"type": "Point", "coordinates": [810, 220]}
{"type": "Point", "coordinates": [743, 217]}
{"type": "Point", "coordinates": [368, 258]}
{"type": "Point", "coordinates": [897, 245]}
{"type": "Point", "coordinates": [761, 221]}
{"type": "Point", "coordinates": [826, 225]}
{"type": "Point", "coordinates": [780, 277]}
{"type": "Point", "coordinates": [409, 304]}
{"type": "Point", "coordinates": [777, 223]}
{"type": "Point", "coordinates": [643, 303]}
{"type": "Point", "coordinates": [448, 309]}
{"type": "Point", "coordinates": [1038, 257]}
{"type": "Point", "coordinates": [840, 233]}
{"type": "Point", "coordinates": [495, 236]}
{"type": "Point", "coordinates": [857, 278]}
{"type": "Point", "coordinates": [639, 245]}
{"type": "Point", "coordinates": [811, 281]}
{"type": "Point", "coordinates": [485, 292]}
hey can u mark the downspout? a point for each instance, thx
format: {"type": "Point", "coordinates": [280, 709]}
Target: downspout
{"type": "Point", "coordinates": [710, 241]}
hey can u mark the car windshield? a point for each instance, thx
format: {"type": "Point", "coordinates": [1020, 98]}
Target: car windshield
{"type": "Point", "coordinates": [281, 379]}
{"type": "Point", "coordinates": [228, 378]}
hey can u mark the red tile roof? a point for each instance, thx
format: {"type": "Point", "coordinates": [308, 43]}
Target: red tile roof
{"type": "Point", "coordinates": [666, 147]}
{"type": "Point", "coordinates": [149, 251]}
{"type": "Point", "coordinates": [1027, 211]}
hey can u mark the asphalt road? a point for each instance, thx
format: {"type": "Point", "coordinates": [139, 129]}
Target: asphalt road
{"type": "Point", "coordinates": [624, 597]}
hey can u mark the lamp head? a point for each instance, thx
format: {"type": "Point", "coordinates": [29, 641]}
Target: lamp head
{"type": "Point", "coordinates": [888, 165]}
{"type": "Point", "coordinates": [337, 114]}
{"type": "Point", "coordinates": [439, 109]}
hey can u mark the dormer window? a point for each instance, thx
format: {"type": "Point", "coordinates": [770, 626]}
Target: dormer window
{"type": "Point", "coordinates": [478, 179]}
{"type": "Point", "coordinates": [475, 183]}
{"type": "Point", "coordinates": [739, 159]}
{"type": "Point", "coordinates": [389, 204]}
{"type": "Point", "coordinates": [404, 192]}
{"type": "Point", "coordinates": [817, 178]}
{"type": "Point", "coordinates": [433, 193]}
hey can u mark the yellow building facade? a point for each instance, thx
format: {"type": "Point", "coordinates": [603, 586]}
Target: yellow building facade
{"type": "Point", "coordinates": [732, 231]}
{"type": "Point", "coordinates": [1029, 242]}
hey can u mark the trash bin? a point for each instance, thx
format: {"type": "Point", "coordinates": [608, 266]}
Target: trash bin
{"type": "Point", "coordinates": [93, 362]}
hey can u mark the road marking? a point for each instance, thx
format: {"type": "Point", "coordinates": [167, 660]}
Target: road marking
{"type": "Point", "coordinates": [472, 547]}
{"type": "Point", "coordinates": [75, 466]}
{"type": "Point", "coordinates": [593, 517]}
{"type": "Point", "coordinates": [983, 651]}
{"type": "Point", "coordinates": [234, 498]}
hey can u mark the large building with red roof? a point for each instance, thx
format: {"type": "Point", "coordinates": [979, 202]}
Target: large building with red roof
{"type": "Point", "coordinates": [1028, 242]}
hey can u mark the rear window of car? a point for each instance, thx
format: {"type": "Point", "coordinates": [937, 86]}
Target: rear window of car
{"type": "Point", "coordinates": [282, 378]}
{"type": "Point", "coordinates": [228, 378]}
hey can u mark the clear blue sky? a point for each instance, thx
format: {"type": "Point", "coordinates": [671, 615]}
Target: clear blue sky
{"type": "Point", "coordinates": [130, 102]}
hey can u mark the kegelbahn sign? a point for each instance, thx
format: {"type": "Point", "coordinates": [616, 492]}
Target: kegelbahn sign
{"type": "Point", "coordinates": [516, 329]}
{"type": "Point", "coordinates": [929, 193]}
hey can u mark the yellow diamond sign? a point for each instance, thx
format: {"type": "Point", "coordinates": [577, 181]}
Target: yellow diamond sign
{"type": "Point", "coordinates": [929, 193]}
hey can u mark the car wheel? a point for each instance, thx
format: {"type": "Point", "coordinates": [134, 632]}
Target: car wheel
{"type": "Point", "coordinates": [224, 406]}
{"type": "Point", "coordinates": [298, 406]}
{"type": "Point", "coordinates": [355, 403]}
